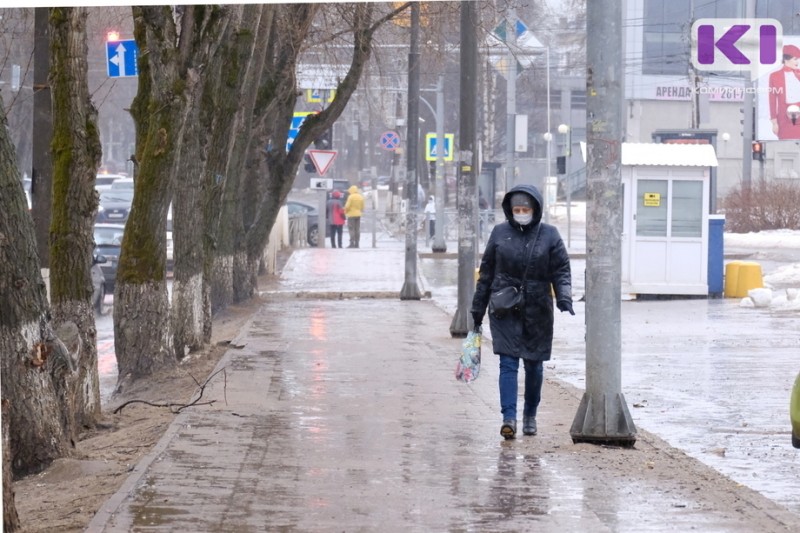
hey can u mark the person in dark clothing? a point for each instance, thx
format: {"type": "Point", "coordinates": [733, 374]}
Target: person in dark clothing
{"type": "Point", "coordinates": [526, 253]}
{"type": "Point", "coordinates": [336, 218]}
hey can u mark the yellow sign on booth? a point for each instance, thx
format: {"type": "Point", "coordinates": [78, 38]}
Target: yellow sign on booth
{"type": "Point", "coordinates": [652, 199]}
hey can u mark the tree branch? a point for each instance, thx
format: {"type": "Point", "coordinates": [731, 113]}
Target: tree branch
{"type": "Point", "coordinates": [175, 407]}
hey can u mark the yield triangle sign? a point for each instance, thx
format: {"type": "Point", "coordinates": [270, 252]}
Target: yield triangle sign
{"type": "Point", "coordinates": [322, 159]}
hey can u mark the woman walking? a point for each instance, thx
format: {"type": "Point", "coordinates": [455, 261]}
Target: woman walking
{"type": "Point", "coordinates": [528, 259]}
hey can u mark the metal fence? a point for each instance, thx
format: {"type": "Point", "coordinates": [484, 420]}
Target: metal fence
{"type": "Point", "coordinates": [394, 223]}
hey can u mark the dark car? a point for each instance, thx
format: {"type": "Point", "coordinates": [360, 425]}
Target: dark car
{"type": "Point", "coordinates": [297, 209]}
{"type": "Point", "coordinates": [108, 242]}
{"type": "Point", "coordinates": [115, 206]}
{"type": "Point", "coordinates": [98, 282]}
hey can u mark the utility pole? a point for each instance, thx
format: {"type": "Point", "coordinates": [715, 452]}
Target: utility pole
{"type": "Point", "coordinates": [747, 112]}
{"type": "Point", "coordinates": [603, 416]}
{"type": "Point", "coordinates": [410, 290]}
{"type": "Point", "coordinates": [511, 98]}
{"type": "Point", "coordinates": [42, 171]}
{"type": "Point", "coordinates": [468, 166]}
{"type": "Point", "coordinates": [439, 244]}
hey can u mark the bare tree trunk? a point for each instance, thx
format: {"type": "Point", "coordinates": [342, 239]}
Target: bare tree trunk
{"type": "Point", "coordinates": [76, 156]}
{"type": "Point", "coordinates": [28, 347]}
{"type": "Point", "coordinates": [227, 229]}
{"type": "Point", "coordinates": [244, 276]}
{"type": "Point", "coordinates": [143, 338]}
{"type": "Point", "coordinates": [10, 517]}
{"type": "Point", "coordinates": [187, 235]}
{"type": "Point", "coordinates": [141, 308]}
{"type": "Point", "coordinates": [191, 314]}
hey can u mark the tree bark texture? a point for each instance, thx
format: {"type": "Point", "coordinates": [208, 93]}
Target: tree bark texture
{"type": "Point", "coordinates": [28, 351]}
{"type": "Point", "coordinates": [76, 157]}
{"type": "Point", "coordinates": [138, 333]}
{"type": "Point", "coordinates": [10, 516]}
{"type": "Point", "coordinates": [228, 230]}
{"type": "Point", "coordinates": [189, 314]}
{"type": "Point", "coordinates": [141, 308]}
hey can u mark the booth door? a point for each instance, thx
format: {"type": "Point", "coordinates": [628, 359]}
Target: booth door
{"type": "Point", "coordinates": [668, 250]}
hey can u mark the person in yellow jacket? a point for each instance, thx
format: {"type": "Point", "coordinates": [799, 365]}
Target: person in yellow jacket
{"type": "Point", "coordinates": [352, 210]}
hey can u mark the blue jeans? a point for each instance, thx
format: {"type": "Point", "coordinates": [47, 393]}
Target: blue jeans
{"type": "Point", "coordinates": [534, 377]}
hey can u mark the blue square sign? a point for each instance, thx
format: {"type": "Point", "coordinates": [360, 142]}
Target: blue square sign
{"type": "Point", "coordinates": [122, 58]}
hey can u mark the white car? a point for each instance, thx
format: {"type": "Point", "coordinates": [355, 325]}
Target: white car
{"type": "Point", "coordinates": [102, 182]}
{"type": "Point", "coordinates": [122, 183]}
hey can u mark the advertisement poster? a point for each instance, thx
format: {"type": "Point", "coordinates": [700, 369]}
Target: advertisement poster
{"type": "Point", "coordinates": [777, 96]}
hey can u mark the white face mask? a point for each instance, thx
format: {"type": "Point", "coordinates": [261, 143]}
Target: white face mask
{"type": "Point", "coordinates": [523, 220]}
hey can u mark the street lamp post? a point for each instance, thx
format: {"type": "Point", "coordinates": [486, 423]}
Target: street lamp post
{"type": "Point", "coordinates": [548, 137]}
{"type": "Point", "coordinates": [566, 131]}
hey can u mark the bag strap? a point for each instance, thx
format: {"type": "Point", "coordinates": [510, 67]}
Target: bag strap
{"type": "Point", "coordinates": [530, 252]}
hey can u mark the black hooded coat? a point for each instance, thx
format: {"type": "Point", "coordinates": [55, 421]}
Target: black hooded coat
{"type": "Point", "coordinates": [527, 333]}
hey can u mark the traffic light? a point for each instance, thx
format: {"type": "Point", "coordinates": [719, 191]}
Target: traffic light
{"type": "Point", "coordinates": [325, 140]}
{"type": "Point", "coordinates": [308, 164]}
{"type": "Point", "coordinates": [561, 164]}
{"type": "Point", "coordinates": [759, 151]}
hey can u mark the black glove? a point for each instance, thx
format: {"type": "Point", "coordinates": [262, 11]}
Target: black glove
{"type": "Point", "coordinates": [477, 319]}
{"type": "Point", "coordinates": [565, 305]}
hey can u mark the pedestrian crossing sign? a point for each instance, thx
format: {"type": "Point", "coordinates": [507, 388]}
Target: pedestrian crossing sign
{"type": "Point", "coordinates": [431, 148]}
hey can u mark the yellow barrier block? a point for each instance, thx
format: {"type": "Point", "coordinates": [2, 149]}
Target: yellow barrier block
{"type": "Point", "coordinates": [731, 278]}
{"type": "Point", "coordinates": [740, 277]}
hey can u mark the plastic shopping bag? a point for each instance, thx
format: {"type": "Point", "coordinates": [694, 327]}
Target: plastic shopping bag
{"type": "Point", "coordinates": [469, 363]}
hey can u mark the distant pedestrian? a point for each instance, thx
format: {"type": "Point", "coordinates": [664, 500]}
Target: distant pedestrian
{"type": "Point", "coordinates": [525, 253]}
{"type": "Point", "coordinates": [353, 209]}
{"type": "Point", "coordinates": [430, 214]}
{"type": "Point", "coordinates": [336, 218]}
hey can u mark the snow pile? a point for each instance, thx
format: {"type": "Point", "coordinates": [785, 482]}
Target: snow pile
{"type": "Point", "coordinates": [765, 297]}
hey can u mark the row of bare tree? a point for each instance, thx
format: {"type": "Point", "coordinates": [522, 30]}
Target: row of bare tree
{"type": "Point", "coordinates": [216, 95]}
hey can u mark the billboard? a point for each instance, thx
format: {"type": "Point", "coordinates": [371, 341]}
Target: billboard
{"type": "Point", "coordinates": [777, 95]}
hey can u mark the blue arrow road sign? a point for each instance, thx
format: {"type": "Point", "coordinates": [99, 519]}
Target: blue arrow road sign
{"type": "Point", "coordinates": [297, 121]}
{"type": "Point", "coordinates": [122, 57]}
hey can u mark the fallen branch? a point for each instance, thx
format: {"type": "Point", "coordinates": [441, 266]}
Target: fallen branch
{"type": "Point", "coordinates": [175, 407]}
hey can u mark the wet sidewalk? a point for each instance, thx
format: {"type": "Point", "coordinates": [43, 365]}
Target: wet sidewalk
{"type": "Point", "coordinates": [341, 413]}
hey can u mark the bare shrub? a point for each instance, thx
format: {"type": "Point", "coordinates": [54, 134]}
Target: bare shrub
{"type": "Point", "coordinates": [763, 206]}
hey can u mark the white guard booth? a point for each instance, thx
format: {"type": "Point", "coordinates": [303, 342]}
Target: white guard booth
{"type": "Point", "coordinates": [665, 230]}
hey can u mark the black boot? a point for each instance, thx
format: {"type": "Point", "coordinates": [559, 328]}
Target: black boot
{"type": "Point", "coordinates": [529, 425]}
{"type": "Point", "coordinates": [509, 429]}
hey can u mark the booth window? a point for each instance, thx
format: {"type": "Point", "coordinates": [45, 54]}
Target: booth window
{"type": "Point", "coordinates": [687, 209]}
{"type": "Point", "coordinates": [651, 215]}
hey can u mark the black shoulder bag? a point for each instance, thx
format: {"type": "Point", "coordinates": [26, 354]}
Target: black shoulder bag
{"type": "Point", "coordinates": [511, 299]}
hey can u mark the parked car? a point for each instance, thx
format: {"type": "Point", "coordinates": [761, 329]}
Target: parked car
{"type": "Point", "coordinates": [108, 242]}
{"type": "Point", "coordinates": [122, 183]}
{"type": "Point", "coordinates": [297, 209]}
{"type": "Point", "coordinates": [98, 282]}
{"type": "Point", "coordinates": [102, 182]}
{"type": "Point", "coordinates": [115, 206]}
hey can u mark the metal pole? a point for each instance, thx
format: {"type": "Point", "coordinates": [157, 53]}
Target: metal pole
{"type": "Point", "coordinates": [439, 245]}
{"type": "Point", "coordinates": [468, 166]}
{"type": "Point", "coordinates": [747, 110]}
{"type": "Point", "coordinates": [511, 97]}
{"type": "Point", "coordinates": [410, 290]}
{"type": "Point", "coordinates": [568, 181]}
{"type": "Point", "coordinates": [549, 143]}
{"type": "Point", "coordinates": [603, 416]}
